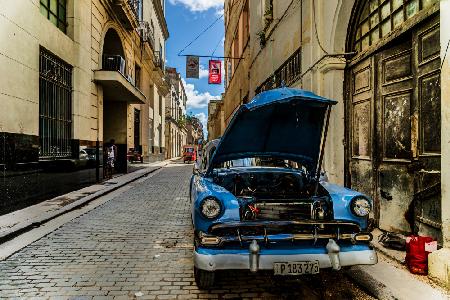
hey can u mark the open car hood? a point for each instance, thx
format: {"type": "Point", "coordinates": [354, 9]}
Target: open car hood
{"type": "Point", "coordinates": [282, 123]}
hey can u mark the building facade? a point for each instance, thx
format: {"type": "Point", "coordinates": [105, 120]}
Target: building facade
{"type": "Point", "coordinates": [176, 132]}
{"type": "Point", "coordinates": [384, 62]}
{"type": "Point", "coordinates": [194, 131]}
{"type": "Point", "coordinates": [80, 74]}
{"type": "Point", "coordinates": [216, 122]}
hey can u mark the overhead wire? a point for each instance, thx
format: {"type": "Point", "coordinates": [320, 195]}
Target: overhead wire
{"type": "Point", "coordinates": [201, 33]}
{"type": "Point", "coordinates": [206, 29]}
{"type": "Point", "coordinates": [215, 48]}
{"type": "Point", "coordinates": [315, 28]}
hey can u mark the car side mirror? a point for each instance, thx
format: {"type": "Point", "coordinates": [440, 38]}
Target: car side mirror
{"type": "Point", "coordinates": [196, 169]}
{"type": "Point", "coordinates": [323, 176]}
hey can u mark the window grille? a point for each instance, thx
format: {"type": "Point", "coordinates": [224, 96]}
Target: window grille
{"type": "Point", "coordinates": [285, 75]}
{"type": "Point", "coordinates": [56, 12]}
{"type": "Point", "coordinates": [379, 17]}
{"type": "Point", "coordinates": [55, 106]}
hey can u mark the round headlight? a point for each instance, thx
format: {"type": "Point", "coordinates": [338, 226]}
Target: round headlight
{"type": "Point", "coordinates": [360, 206]}
{"type": "Point", "coordinates": [210, 208]}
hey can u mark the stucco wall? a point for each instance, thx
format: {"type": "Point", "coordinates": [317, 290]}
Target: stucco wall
{"type": "Point", "coordinates": [282, 39]}
{"type": "Point", "coordinates": [445, 129]}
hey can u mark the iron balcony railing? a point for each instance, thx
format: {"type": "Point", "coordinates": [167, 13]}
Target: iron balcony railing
{"type": "Point", "coordinates": [159, 63]}
{"type": "Point", "coordinates": [135, 6]}
{"type": "Point", "coordinates": [114, 63]}
{"type": "Point", "coordinates": [117, 63]}
{"type": "Point", "coordinates": [146, 33]}
{"type": "Point", "coordinates": [287, 74]}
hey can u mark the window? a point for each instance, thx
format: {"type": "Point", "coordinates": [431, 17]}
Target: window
{"type": "Point", "coordinates": [379, 17]}
{"type": "Point", "coordinates": [160, 105]}
{"type": "Point", "coordinates": [55, 11]}
{"type": "Point", "coordinates": [55, 106]}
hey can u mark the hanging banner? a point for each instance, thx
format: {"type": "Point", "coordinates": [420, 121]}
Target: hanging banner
{"type": "Point", "coordinates": [192, 67]}
{"type": "Point", "coordinates": [215, 72]}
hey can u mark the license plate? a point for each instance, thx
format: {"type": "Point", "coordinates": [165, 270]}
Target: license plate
{"type": "Point", "coordinates": [296, 268]}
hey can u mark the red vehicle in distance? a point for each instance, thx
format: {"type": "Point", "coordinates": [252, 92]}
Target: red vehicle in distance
{"type": "Point", "coordinates": [189, 153]}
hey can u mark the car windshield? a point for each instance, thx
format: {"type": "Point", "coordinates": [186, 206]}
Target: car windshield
{"type": "Point", "coordinates": [188, 150]}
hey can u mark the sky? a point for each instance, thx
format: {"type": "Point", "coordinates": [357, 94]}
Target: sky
{"type": "Point", "coordinates": [186, 19]}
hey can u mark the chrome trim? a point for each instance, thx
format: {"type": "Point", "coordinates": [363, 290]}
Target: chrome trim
{"type": "Point", "coordinates": [242, 261]}
{"type": "Point", "coordinates": [278, 224]}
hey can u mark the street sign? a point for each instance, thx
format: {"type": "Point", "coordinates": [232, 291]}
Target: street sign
{"type": "Point", "coordinates": [215, 70]}
{"type": "Point", "coordinates": [192, 67]}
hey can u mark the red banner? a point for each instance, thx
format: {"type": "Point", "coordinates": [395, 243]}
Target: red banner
{"type": "Point", "coordinates": [215, 70]}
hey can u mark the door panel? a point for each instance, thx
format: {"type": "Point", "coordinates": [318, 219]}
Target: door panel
{"type": "Point", "coordinates": [427, 197]}
{"type": "Point", "coordinates": [394, 100]}
{"type": "Point", "coordinates": [361, 123]}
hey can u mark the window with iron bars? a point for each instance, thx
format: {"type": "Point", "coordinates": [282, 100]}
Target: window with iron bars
{"type": "Point", "coordinates": [55, 106]}
{"type": "Point", "coordinates": [286, 75]}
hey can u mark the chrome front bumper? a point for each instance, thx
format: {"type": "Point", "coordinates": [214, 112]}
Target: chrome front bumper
{"type": "Point", "coordinates": [245, 260]}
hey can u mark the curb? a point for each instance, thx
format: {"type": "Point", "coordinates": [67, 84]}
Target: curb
{"type": "Point", "coordinates": [28, 225]}
{"type": "Point", "coordinates": [386, 281]}
{"type": "Point", "coordinates": [370, 284]}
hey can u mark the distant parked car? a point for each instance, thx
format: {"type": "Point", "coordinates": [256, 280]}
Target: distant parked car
{"type": "Point", "coordinates": [134, 155]}
{"type": "Point", "coordinates": [257, 199]}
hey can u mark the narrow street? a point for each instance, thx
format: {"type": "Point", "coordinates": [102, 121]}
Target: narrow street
{"type": "Point", "coordinates": [139, 246]}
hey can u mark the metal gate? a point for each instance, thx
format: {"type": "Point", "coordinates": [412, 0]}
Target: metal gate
{"type": "Point", "coordinates": [55, 106]}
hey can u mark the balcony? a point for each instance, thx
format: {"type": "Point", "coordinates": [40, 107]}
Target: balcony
{"type": "Point", "coordinates": [287, 74]}
{"type": "Point", "coordinates": [128, 12]}
{"type": "Point", "coordinates": [146, 33]}
{"type": "Point", "coordinates": [158, 61]}
{"type": "Point", "coordinates": [117, 86]}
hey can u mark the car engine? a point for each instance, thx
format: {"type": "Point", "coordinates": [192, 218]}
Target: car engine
{"type": "Point", "coordinates": [276, 195]}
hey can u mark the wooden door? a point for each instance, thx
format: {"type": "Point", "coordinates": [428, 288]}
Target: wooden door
{"type": "Point", "coordinates": [360, 118]}
{"type": "Point", "coordinates": [426, 168]}
{"type": "Point", "coordinates": [394, 131]}
{"type": "Point", "coordinates": [394, 106]}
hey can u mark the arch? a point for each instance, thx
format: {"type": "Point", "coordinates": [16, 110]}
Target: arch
{"type": "Point", "coordinates": [373, 20]}
{"type": "Point", "coordinates": [111, 32]}
{"type": "Point", "coordinates": [341, 21]}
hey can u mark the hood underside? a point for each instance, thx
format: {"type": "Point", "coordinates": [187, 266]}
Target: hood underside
{"type": "Point", "coordinates": [283, 123]}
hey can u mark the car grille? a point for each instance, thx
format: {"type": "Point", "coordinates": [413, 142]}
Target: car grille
{"type": "Point", "coordinates": [268, 232]}
{"type": "Point", "coordinates": [283, 211]}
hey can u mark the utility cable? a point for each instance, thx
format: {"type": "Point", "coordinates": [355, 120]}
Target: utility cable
{"type": "Point", "coordinates": [201, 33]}
{"type": "Point", "coordinates": [445, 54]}
{"type": "Point", "coordinates": [315, 27]}
{"type": "Point", "coordinates": [215, 48]}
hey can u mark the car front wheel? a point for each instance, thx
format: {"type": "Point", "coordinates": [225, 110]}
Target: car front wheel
{"type": "Point", "coordinates": [204, 279]}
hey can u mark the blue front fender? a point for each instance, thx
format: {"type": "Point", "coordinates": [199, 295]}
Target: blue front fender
{"type": "Point", "coordinates": [203, 187]}
{"type": "Point", "coordinates": [342, 198]}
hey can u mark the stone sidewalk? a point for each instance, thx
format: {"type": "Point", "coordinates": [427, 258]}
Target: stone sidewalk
{"type": "Point", "coordinates": [19, 221]}
{"type": "Point", "coordinates": [391, 279]}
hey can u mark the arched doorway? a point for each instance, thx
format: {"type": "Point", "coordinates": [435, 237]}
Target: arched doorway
{"type": "Point", "coordinates": [115, 111]}
{"type": "Point", "coordinates": [393, 111]}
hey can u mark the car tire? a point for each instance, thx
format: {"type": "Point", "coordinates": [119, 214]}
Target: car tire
{"type": "Point", "coordinates": [204, 279]}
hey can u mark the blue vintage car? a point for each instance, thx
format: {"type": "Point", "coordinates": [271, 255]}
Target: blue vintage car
{"type": "Point", "coordinates": [258, 202]}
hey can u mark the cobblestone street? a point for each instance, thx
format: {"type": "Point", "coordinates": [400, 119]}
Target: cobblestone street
{"type": "Point", "coordinates": [139, 245]}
